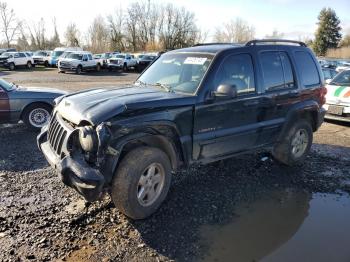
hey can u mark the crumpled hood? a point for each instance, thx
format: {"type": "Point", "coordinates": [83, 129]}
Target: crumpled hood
{"type": "Point", "coordinates": [98, 105]}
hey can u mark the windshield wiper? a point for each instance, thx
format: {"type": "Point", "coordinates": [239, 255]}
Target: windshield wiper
{"type": "Point", "coordinates": [141, 83]}
{"type": "Point", "coordinates": [164, 86]}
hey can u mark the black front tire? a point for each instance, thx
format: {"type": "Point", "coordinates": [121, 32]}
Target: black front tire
{"type": "Point", "coordinates": [126, 179]}
{"type": "Point", "coordinates": [79, 70]}
{"type": "Point", "coordinates": [29, 65]}
{"type": "Point", "coordinates": [12, 67]}
{"type": "Point", "coordinates": [283, 150]}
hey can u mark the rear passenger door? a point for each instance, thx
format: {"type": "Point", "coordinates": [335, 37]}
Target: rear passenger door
{"type": "Point", "coordinates": [279, 92]}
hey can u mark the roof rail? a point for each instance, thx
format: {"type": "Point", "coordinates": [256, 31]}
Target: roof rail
{"type": "Point", "coordinates": [254, 42]}
{"type": "Point", "coordinates": [203, 44]}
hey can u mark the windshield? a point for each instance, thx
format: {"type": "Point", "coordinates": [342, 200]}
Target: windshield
{"type": "Point", "coordinates": [106, 55]}
{"type": "Point", "coordinates": [57, 53]}
{"type": "Point", "coordinates": [74, 56]}
{"type": "Point", "coordinates": [342, 79]}
{"type": "Point", "coordinates": [119, 56]}
{"type": "Point", "coordinates": [148, 57]}
{"type": "Point", "coordinates": [5, 54]}
{"type": "Point", "coordinates": [179, 72]}
{"type": "Point", "coordinates": [6, 85]}
{"type": "Point", "coordinates": [39, 53]}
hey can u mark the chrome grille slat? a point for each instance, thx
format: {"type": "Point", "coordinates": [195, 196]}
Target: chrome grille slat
{"type": "Point", "coordinates": [57, 133]}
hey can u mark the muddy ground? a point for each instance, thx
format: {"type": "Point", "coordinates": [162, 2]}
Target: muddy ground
{"type": "Point", "coordinates": [42, 220]}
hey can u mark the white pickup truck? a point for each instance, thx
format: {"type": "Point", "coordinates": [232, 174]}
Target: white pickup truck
{"type": "Point", "coordinates": [121, 62]}
{"type": "Point", "coordinates": [79, 61]}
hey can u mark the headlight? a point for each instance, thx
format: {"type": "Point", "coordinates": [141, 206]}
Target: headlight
{"type": "Point", "coordinates": [88, 139]}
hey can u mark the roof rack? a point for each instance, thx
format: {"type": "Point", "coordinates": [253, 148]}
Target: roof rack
{"type": "Point", "coordinates": [254, 42]}
{"type": "Point", "coordinates": [203, 44]}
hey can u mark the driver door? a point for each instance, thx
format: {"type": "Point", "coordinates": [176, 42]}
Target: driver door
{"type": "Point", "coordinates": [227, 126]}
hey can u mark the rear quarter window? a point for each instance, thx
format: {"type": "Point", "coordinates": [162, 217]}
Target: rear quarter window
{"type": "Point", "coordinates": [307, 69]}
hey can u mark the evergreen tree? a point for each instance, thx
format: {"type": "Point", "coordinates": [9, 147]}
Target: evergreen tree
{"type": "Point", "coordinates": [328, 32]}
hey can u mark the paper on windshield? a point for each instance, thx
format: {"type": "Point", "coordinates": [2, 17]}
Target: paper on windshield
{"type": "Point", "coordinates": [195, 60]}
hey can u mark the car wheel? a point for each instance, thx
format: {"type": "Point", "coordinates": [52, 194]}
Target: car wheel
{"type": "Point", "coordinates": [46, 64]}
{"type": "Point", "coordinates": [141, 182]}
{"type": "Point", "coordinates": [29, 65]}
{"type": "Point", "coordinates": [295, 145]}
{"type": "Point", "coordinates": [12, 66]}
{"type": "Point", "coordinates": [98, 67]}
{"type": "Point", "coordinates": [79, 70]}
{"type": "Point", "coordinates": [37, 115]}
{"type": "Point", "coordinates": [125, 67]}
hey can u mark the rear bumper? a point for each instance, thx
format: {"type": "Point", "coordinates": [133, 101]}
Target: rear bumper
{"type": "Point", "coordinates": [320, 117]}
{"type": "Point", "coordinates": [345, 117]}
{"type": "Point", "coordinates": [73, 170]}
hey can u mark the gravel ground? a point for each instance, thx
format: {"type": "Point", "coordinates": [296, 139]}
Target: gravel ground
{"type": "Point", "coordinates": [42, 220]}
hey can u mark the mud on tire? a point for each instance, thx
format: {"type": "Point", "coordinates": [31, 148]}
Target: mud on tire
{"type": "Point", "coordinates": [284, 150]}
{"type": "Point", "coordinates": [127, 182]}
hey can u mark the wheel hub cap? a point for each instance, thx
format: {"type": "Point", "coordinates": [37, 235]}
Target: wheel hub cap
{"type": "Point", "coordinates": [39, 117]}
{"type": "Point", "coordinates": [299, 143]}
{"type": "Point", "coordinates": [150, 184]}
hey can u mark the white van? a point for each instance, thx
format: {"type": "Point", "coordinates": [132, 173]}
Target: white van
{"type": "Point", "coordinates": [57, 52]}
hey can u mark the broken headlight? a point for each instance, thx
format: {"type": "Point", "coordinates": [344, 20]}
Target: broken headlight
{"type": "Point", "coordinates": [88, 139]}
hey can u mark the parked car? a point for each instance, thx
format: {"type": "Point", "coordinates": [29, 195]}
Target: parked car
{"type": "Point", "coordinates": [57, 52]}
{"type": "Point", "coordinates": [343, 65]}
{"type": "Point", "coordinates": [41, 57]}
{"type": "Point", "coordinates": [121, 62]}
{"type": "Point", "coordinates": [145, 61]}
{"type": "Point", "coordinates": [13, 60]}
{"type": "Point", "coordinates": [79, 61]}
{"type": "Point", "coordinates": [338, 97]}
{"type": "Point", "coordinates": [3, 50]}
{"type": "Point", "coordinates": [328, 73]}
{"type": "Point", "coordinates": [32, 105]}
{"type": "Point", "coordinates": [105, 57]}
{"type": "Point", "coordinates": [194, 105]}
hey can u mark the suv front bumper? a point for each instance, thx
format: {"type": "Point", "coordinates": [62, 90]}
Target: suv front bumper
{"type": "Point", "coordinates": [73, 170]}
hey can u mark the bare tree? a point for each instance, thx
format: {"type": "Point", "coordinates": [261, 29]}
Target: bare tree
{"type": "Point", "coordinates": [116, 30]}
{"type": "Point", "coordinates": [98, 35]}
{"type": "Point", "coordinates": [55, 40]}
{"type": "Point", "coordinates": [235, 31]}
{"type": "Point", "coordinates": [38, 35]}
{"type": "Point", "coordinates": [132, 27]}
{"type": "Point", "coordinates": [10, 25]}
{"type": "Point", "coordinates": [177, 27]}
{"type": "Point", "coordinates": [22, 40]}
{"type": "Point", "coordinates": [72, 35]}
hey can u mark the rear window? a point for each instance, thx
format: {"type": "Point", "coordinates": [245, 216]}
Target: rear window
{"type": "Point", "coordinates": [307, 69]}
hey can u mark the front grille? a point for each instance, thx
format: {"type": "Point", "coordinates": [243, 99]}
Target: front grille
{"type": "Point", "coordinates": [56, 135]}
{"type": "Point", "coordinates": [65, 64]}
{"type": "Point", "coordinates": [116, 62]}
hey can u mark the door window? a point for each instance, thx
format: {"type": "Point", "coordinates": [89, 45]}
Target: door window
{"type": "Point", "coordinates": [90, 57]}
{"type": "Point", "coordinates": [237, 70]}
{"type": "Point", "coordinates": [22, 55]}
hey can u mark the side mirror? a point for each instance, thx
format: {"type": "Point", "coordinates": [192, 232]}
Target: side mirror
{"type": "Point", "coordinates": [225, 91]}
{"type": "Point", "coordinates": [328, 81]}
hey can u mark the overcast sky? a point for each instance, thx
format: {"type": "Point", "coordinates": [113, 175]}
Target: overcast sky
{"type": "Point", "coordinates": [293, 17]}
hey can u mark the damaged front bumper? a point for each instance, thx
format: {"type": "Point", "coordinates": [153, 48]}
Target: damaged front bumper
{"type": "Point", "coordinates": [73, 170]}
